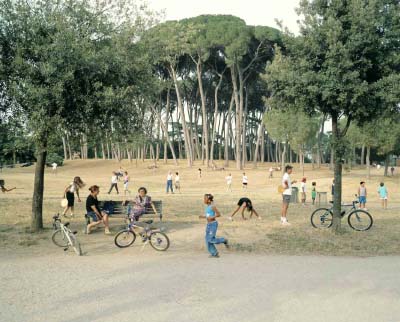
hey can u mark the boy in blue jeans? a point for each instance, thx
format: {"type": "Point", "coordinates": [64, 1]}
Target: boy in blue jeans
{"type": "Point", "coordinates": [211, 215]}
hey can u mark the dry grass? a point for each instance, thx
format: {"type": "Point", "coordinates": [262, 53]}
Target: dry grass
{"type": "Point", "coordinates": [181, 210]}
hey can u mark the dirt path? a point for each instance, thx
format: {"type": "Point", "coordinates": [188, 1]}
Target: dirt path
{"type": "Point", "coordinates": [175, 286]}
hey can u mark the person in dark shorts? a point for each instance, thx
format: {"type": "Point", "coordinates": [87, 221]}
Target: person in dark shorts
{"type": "Point", "coordinates": [69, 194]}
{"type": "Point", "coordinates": [93, 211]}
{"type": "Point", "coordinates": [245, 203]}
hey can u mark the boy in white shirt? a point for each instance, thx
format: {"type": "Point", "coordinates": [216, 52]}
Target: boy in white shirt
{"type": "Point", "coordinates": [229, 182]}
{"type": "Point", "coordinates": [287, 193]}
{"type": "Point", "coordinates": [303, 191]}
{"type": "Point", "coordinates": [177, 182]}
{"type": "Point", "coordinates": [245, 181]}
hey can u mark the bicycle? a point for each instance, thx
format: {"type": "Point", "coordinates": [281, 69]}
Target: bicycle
{"type": "Point", "coordinates": [358, 219]}
{"type": "Point", "coordinates": [64, 237]}
{"type": "Point", "coordinates": [158, 240]}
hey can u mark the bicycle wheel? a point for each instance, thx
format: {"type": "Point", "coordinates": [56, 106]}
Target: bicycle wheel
{"type": "Point", "coordinates": [124, 238]}
{"type": "Point", "coordinates": [59, 238]}
{"type": "Point", "coordinates": [322, 218]}
{"type": "Point", "coordinates": [75, 244]}
{"type": "Point", "coordinates": [159, 241]}
{"type": "Point", "coordinates": [360, 220]}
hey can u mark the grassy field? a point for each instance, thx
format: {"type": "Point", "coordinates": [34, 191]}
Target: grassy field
{"type": "Point", "coordinates": [181, 210]}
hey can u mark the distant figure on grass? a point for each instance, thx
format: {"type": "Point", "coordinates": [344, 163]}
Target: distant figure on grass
{"type": "Point", "coordinates": [169, 182]}
{"type": "Point", "coordinates": [114, 182]}
{"type": "Point", "coordinates": [211, 214]}
{"type": "Point", "coordinates": [362, 195]}
{"type": "Point", "coordinates": [314, 192]}
{"type": "Point", "coordinates": [120, 173]}
{"type": "Point", "coordinates": [245, 203]}
{"type": "Point", "coordinates": [177, 182]}
{"type": "Point", "coordinates": [333, 189]}
{"type": "Point", "coordinates": [287, 193]}
{"type": "Point", "coordinates": [228, 179]}
{"type": "Point", "coordinates": [93, 211]}
{"type": "Point", "coordinates": [141, 203]}
{"type": "Point", "coordinates": [69, 194]}
{"type": "Point", "coordinates": [3, 188]}
{"type": "Point", "coordinates": [54, 167]}
{"type": "Point", "coordinates": [199, 174]}
{"type": "Point", "coordinates": [303, 191]}
{"type": "Point", "coordinates": [245, 181]}
{"type": "Point", "coordinates": [271, 172]}
{"type": "Point", "coordinates": [392, 171]}
{"type": "Point", "coordinates": [126, 183]}
{"type": "Point", "coordinates": [383, 195]}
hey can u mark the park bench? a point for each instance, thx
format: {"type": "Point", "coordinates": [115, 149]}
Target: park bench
{"type": "Point", "coordinates": [121, 210]}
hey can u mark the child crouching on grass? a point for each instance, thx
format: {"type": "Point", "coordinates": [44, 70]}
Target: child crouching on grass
{"type": "Point", "coordinates": [211, 215]}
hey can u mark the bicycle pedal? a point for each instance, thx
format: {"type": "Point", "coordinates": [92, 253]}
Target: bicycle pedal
{"type": "Point", "coordinates": [75, 232]}
{"type": "Point", "coordinates": [65, 249]}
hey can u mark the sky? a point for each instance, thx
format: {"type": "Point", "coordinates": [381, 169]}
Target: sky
{"type": "Point", "coordinates": [254, 12]}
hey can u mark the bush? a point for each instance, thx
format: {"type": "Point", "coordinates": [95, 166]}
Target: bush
{"type": "Point", "coordinates": [54, 157]}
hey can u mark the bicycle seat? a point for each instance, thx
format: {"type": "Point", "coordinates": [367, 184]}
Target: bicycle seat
{"type": "Point", "coordinates": [66, 224]}
{"type": "Point", "coordinates": [56, 216]}
{"type": "Point", "coordinates": [149, 222]}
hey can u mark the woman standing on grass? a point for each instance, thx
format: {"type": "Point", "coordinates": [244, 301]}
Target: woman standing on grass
{"type": "Point", "coordinates": [69, 193]}
{"type": "Point", "coordinates": [211, 215]}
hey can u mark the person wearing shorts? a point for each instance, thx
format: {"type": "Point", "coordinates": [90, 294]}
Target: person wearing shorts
{"type": "Point", "coordinates": [93, 211]}
{"type": "Point", "coordinates": [287, 193]}
{"type": "Point", "coordinates": [69, 194]}
{"type": "Point", "coordinates": [245, 203]}
{"type": "Point", "coordinates": [362, 195]}
{"type": "Point", "coordinates": [383, 195]}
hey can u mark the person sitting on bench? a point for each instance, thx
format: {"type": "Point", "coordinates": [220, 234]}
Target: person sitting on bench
{"type": "Point", "coordinates": [141, 203]}
{"type": "Point", "coordinates": [94, 212]}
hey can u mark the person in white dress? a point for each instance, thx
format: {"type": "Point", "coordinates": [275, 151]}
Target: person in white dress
{"type": "Point", "coordinates": [54, 167]}
{"type": "Point", "coordinates": [229, 182]}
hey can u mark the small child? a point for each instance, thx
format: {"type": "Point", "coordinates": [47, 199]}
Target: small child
{"type": "Point", "coordinates": [177, 182]}
{"type": "Point", "coordinates": [245, 181]}
{"type": "Point", "coordinates": [303, 191]}
{"type": "Point", "coordinates": [229, 182]}
{"type": "Point", "coordinates": [271, 172]}
{"type": "Point", "coordinates": [211, 215]}
{"type": "Point", "coordinates": [362, 195]}
{"type": "Point", "coordinates": [126, 183]}
{"type": "Point", "coordinates": [383, 194]}
{"type": "Point", "coordinates": [314, 192]}
{"type": "Point", "coordinates": [199, 174]}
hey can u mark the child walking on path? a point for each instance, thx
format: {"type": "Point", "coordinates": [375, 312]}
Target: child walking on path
{"type": "Point", "coordinates": [114, 183]}
{"type": "Point", "coordinates": [362, 195]}
{"type": "Point", "coordinates": [169, 183]}
{"type": "Point", "coordinates": [211, 214]}
{"type": "Point", "coordinates": [383, 194]}
{"type": "Point", "coordinates": [314, 192]}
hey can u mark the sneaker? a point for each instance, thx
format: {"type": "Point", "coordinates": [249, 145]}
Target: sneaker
{"type": "Point", "coordinates": [227, 244]}
{"type": "Point", "coordinates": [214, 256]}
{"type": "Point", "coordinates": [230, 218]}
{"type": "Point", "coordinates": [259, 218]}
{"type": "Point", "coordinates": [285, 223]}
{"type": "Point", "coordinates": [107, 232]}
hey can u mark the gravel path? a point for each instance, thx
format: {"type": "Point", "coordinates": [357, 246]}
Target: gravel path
{"type": "Point", "coordinates": [174, 287]}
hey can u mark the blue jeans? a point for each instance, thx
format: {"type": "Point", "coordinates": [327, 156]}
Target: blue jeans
{"type": "Point", "coordinates": [169, 186]}
{"type": "Point", "coordinates": [211, 239]}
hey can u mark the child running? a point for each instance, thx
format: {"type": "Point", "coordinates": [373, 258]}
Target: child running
{"type": "Point", "coordinates": [303, 191]}
{"type": "Point", "coordinates": [211, 215]}
{"type": "Point", "coordinates": [229, 182]}
{"type": "Point", "coordinates": [362, 195]}
{"type": "Point", "coordinates": [314, 192]}
{"type": "Point", "coordinates": [383, 194]}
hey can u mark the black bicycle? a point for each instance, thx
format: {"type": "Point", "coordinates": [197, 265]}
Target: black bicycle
{"type": "Point", "coordinates": [358, 219]}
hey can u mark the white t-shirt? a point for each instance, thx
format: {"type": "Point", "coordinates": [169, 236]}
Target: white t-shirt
{"type": "Point", "coordinates": [72, 187]}
{"type": "Point", "coordinates": [271, 170]}
{"type": "Point", "coordinates": [54, 165]}
{"type": "Point", "coordinates": [286, 178]}
{"type": "Point", "coordinates": [303, 187]}
{"type": "Point", "coordinates": [229, 179]}
{"type": "Point", "coordinates": [169, 177]}
{"type": "Point", "coordinates": [177, 179]}
{"type": "Point", "coordinates": [114, 179]}
{"type": "Point", "coordinates": [245, 179]}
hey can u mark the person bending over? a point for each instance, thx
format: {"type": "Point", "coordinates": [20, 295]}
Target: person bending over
{"type": "Point", "coordinates": [243, 204]}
